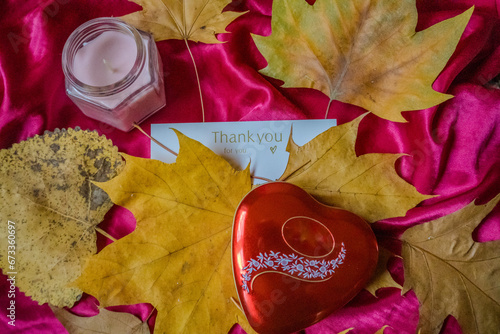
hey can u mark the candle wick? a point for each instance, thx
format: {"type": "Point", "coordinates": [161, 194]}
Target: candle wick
{"type": "Point", "coordinates": [108, 65]}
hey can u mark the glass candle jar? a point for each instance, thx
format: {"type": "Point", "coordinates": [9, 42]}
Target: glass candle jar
{"type": "Point", "coordinates": [113, 72]}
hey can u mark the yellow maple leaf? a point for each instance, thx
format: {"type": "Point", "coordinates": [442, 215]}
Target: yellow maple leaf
{"type": "Point", "coordinates": [179, 257]}
{"type": "Point", "coordinates": [453, 274]}
{"type": "Point", "coordinates": [194, 20]}
{"type": "Point", "coordinates": [50, 209]}
{"type": "Point", "coordinates": [361, 52]}
{"type": "Point", "coordinates": [328, 168]}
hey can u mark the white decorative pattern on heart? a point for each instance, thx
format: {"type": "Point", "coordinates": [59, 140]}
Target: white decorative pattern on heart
{"type": "Point", "coordinates": [291, 264]}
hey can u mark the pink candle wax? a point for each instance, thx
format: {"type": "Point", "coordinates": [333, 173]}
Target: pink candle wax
{"type": "Point", "coordinates": [106, 59]}
{"type": "Point", "coordinates": [113, 72]}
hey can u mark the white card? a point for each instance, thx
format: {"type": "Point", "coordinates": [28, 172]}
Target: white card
{"type": "Point", "coordinates": [262, 144]}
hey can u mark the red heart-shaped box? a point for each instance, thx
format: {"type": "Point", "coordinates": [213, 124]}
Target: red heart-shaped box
{"type": "Point", "coordinates": [295, 260]}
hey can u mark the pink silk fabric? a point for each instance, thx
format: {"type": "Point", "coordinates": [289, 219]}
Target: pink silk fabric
{"type": "Point", "coordinates": [451, 150]}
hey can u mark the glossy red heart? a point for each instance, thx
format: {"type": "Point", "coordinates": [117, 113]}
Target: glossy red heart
{"type": "Point", "coordinates": [295, 260]}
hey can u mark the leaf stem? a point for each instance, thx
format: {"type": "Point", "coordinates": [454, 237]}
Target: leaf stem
{"type": "Point", "coordinates": [104, 233]}
{"type": "Point", "coordinates": [328, 108]}
{"type": "Point", "coordinates": [261, 178]}
{"type": "Point", "coordinates": [237, 304]}
{"type": "Point", "coordinates": [197, 79]}
{"type": "Point", "coordinates": [150, 314]}
{"type": "Point", "coordinates": [153, 139]}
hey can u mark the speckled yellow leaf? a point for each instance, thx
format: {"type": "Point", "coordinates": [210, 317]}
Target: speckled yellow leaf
{"type": "Point", "coordinates": [328, 168]}
{"type": "Point", "coordinates": [453, 274]}
{"type": "Point", "coordinates": [179, 257]}
{"type": "Point", "coordinates": [47, 198]}
{"type": "Point", "coordinates": [194, 20]}
{"type": "Point", "coordinates": [106, 322]}
{"type": "Point", "coordinates": [363, 52]}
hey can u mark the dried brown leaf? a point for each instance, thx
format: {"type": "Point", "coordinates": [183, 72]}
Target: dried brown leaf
{"type": "Point", "coordinates": [453, 274]}
{"type": "Point", "coordinates": [106, 322]}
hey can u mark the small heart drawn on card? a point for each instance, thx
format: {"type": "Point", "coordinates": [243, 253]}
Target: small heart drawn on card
{"type": "Point", "coordinates": [273, 149]}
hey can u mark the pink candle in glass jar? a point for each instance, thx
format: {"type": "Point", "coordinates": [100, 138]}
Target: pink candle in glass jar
{"type": "Point", "coordinates": [113, 72]}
